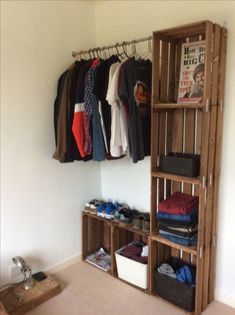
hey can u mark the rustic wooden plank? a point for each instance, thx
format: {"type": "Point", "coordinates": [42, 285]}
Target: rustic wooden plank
{"type": "Point", "coordinates": [198, 139]}
{"type": "Point", "coordinates": [188, 147]}
{"type": "Point", "coordinates": [187, 30]}
{"type": "Point", "coordinates": [105, 236]}
{"type": "Point", "coordinates": [154, 130]}
{"type": "Point", "coordinates": [156, 69]}
{"type": "Point", "coordinates": [177, 141]}
{"type": "Point", "coordinates": [123, 237]}
{"type": "Point", "coordinates": [171, 85]}
{"type": "Point", "coordinates": [84, 236]}
{"type": "Point", "coordinates": [167, 253]}
{"type": "Point", "coordinates": [220, 109]}
{"type": "Point", "coordinates": [171, 105]}
{"type": "Point", "coordinates": [164, 71]}
{"type": "Point", "coordinates": [177, 68]}
{"type": "Point", "coordinates": [177, 178]}
{"type": "Point", "coordinates": [114, 246]}
{"type": "Point", "coordinates": [189, 140]}
{"type": "Point", "coordinates": [211, 159]}
{"type": "Point", "coordinates": [177, 146]}
{"type": "Point", "coordinates": [187, 249]}
{"type": "Point", "coordinates": [204, 159]}
{"type": "Point", "coordinates": [151, 266]}
{"type": "Point", "coordinates": [94, 241]}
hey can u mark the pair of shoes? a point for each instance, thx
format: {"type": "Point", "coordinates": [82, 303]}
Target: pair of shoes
{"type": "Point", "coordinates": [142, 222]}
{"type": "Point", "coordinates": [106, 210]}
{"type": "Point", "coordinates": [121, 209]}
{"type": "Point", "coordinates": [126, 216]}
{"type": "Point", "coordinates": [91, 207]}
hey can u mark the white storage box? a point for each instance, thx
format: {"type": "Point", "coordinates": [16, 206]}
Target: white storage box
{"type": "Point", "coordinates": [131, 271]}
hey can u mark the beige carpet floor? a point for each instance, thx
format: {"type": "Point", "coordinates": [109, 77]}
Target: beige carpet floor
{"type": "Point", "coordinates": [90, 291]}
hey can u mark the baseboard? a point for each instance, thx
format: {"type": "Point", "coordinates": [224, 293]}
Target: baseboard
{"type": "Point", "coordinates": [64, 264]}
{"type": "Point", "coordinates": [225, 298]}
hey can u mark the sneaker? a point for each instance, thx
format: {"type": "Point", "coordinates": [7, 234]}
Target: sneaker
{"type": "Point", "coordinates": [101, 209]}
{"type": "Point", "coordinates": [91, 207]}
{"type": "Point", "coordinates": [109, 211]}
{"type": "Point", "coordinates": [126, 216]}
{"type": "Point", "coordinates": [87, 207]}
{"type": "Point", "coordinates": [121, 208]}
{"type": "Point", "coordinates": [138, 221]}
{"type": "Point", "coordinates": [146, 223]}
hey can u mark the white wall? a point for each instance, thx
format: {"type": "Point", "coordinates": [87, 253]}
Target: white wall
{"type": "Point", "coordinates": [41, 199]}
{"type": "Point", "coordinates": [117, 21]}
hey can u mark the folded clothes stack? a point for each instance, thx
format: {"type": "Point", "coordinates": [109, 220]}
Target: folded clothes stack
{"type": "Point", "coordinates": [178, 218]}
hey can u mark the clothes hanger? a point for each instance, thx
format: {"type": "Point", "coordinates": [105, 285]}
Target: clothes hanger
{"type": "Point", "coordinates": [124, 49]}
{"type": "Point", "coordinates": [104, 52]}
{"type": "Point", "coordinates": [118, 53]}
{"type": "Point", "coordinates": [148, 53]}
{"type": "Point", "coordinates": [134, 52]}
{"type": "Point", "coordinates": [97, 52]}
{"type": "Point", "coordinates": [90, 54]}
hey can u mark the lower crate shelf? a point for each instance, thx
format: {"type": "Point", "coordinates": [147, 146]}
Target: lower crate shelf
{"type": "Point", "coordinates": [101, 232]}
{"type": "Point", "coordinates": [186, 249]}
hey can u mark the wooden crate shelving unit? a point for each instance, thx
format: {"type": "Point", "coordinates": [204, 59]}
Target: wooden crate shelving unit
{"type": "Point", "coordinates": [100, 232]}
{"type": "Point", "coordinates": [188, 128]}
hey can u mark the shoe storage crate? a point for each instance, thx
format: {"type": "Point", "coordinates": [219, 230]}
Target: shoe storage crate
{"type": "Point", "coordinates": [183, 128]}
{"type": "Point", "coordinates": [96, 233]}
{"type": "Point", "coordinates": [100, 232]}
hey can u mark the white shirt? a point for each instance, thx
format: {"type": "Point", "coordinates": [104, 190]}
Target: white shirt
{"type": "Point", "coordinates": [119, 138]}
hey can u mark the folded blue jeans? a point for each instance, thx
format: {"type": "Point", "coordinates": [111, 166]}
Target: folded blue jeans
{"type": "Point", "coordinates": [192, 217]}
{"type": "Point", "coordinates": [185, 241]}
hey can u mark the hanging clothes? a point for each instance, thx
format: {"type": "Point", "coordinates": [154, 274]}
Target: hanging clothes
{"type": "Point", "coordinates": [61, 152]}
{"type": "Point", "coordinates": [92, 112]}
{"type": "Point", "coordinates": [119, 132]}
{"type": "Point", "coordinates": [102, 110]}
{"type": "Point", "coordinates": [82, 128]}
{"type": "Point", "coordinates": [100, 90]}
{"type": "Point", "coordinates": [135, 93]}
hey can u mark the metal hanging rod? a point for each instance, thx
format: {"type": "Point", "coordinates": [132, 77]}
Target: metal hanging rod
{"type": "Point", "coordinates": [135, 41]}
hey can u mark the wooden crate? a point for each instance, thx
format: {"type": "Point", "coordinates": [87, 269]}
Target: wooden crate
{"type": "Point", "coordinates": [95, 234]}
{"type": "Point", "coordinates": [188, 128]}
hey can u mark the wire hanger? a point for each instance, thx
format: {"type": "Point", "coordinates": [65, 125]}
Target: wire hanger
{"type": "Point", "coordinates": [148, 53]}
{"type": "Point", "coordinates": [124, 49]}
{"type": "Point", "coordinates": [118, 53]}
{"type": "Point", "coordinates": [134, 52]}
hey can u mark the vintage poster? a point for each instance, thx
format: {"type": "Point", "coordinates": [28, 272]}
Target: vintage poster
{"type": "Point", "coordinates": [191, 83]}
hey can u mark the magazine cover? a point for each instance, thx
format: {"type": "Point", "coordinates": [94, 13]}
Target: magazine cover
{"type": "Point", "coordinates": [192, 66]}
{"type": "Point", "coordinates": [100, 259]}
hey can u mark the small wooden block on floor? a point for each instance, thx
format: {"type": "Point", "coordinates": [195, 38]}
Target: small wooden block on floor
{"type": "Point", "coordinates": [19, 301]}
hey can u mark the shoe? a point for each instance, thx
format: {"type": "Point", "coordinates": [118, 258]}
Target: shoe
{"type": "Point", "coordinates": [91, 207]}
{"type": "Point", "coordinates": [87, 207]}
{"type": "Point", "coordinates": [121, 208]}
{"type": "Point", "coordinates": [101, 209]}
{"type": "Point", "coordinates": [109, 210]}
{"type": "Point", "coordinates": [146, 223]}
{"type": "Point", "coordinates": [138, 221]}
{"type": "Point", "coordinates": [126, 217]}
